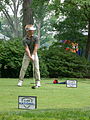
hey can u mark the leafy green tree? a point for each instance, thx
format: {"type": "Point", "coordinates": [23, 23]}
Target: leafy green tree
{"type": "Point", "coordinates": [47, 36]}
{"type": "Point", "coordinates": [73, 16]}
{"type": "Point", "coordinates": [40, 9]}
{"type": "Point", "coordinates": [11, 5]}
{"type": "Point", "coordinates": [6, 28]}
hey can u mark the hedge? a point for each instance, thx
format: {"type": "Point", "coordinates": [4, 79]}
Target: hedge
{"type": "Point", "coordinates": [54, 62]}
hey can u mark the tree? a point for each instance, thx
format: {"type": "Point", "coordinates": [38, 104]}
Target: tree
{"type": "Point", "coordinates": [40, 9]}
{"type": "Point", "coordinates": [76, 15]}
{"type": "Point", "coordinates": [47, 34]}
{"type": "Point", "coordinates": [27, 14]}
{"type": "Point", "coordinates": [84, 6]}
{"type": "Point", "coordinates": [11, 5]}
{"type": "Point", "coordinates": [6, 28]}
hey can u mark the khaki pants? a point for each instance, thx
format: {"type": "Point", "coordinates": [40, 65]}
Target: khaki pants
{"type": "Point", "coordinates": [25, 63]}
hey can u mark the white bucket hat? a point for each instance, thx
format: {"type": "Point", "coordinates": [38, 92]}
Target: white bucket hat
{"type": "Point", "coordinates": [29, 27]}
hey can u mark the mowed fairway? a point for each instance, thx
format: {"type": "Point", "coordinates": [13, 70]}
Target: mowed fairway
{"type": "Point", "coordinates": [54, 97]}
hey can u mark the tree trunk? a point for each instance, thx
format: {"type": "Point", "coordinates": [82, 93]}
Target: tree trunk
{"type": "Point", "coordinates": [87, 51]}
{"type": "Point", "coordinates": [16, 23]}
{"type": "Point", "coordinates": [27, 14]}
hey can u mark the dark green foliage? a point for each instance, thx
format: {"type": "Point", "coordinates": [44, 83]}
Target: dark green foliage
{"type": "Point", "coordinates": [54, 62]}
{"type": "Point", "coordinates": [73, 21]}
{"type": "Point", "coordinates": [66, 64]}
{"type": "Point", "coordinates": [11, 53]}
{"type": "Point", "coordinates": [11, 56]}
{"type": "Point", "coordinates": [43, 64]}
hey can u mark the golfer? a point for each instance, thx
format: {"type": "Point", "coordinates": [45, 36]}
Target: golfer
{"type": "Point", "coordinates": [30, 43]}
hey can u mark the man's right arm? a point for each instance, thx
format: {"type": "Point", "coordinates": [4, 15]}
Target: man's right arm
{"type": "Point", "coordinates": [28, 52]}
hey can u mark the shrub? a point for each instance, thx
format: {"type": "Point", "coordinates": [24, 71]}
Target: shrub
{"type": "Point", "coordinates": [66, 64]}
{"type": "Point", "coordinates": [54, 62]}
{"type": "Point", "coordinates": [11, 55]}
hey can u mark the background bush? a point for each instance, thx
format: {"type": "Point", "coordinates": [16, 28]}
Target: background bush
{"type": "Point", "coordinates": [11, 55]}
{"type": "Point", "coordinates": [66, 64]}
{"type": "Point", "coordinates": [54, 62]}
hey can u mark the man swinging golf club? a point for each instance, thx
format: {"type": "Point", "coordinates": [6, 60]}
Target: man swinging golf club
{"type": "Point", "coordinates": [30, 43]}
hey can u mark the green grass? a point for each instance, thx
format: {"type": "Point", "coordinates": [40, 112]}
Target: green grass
{"type": "Point", "coordinates": [55, 101]}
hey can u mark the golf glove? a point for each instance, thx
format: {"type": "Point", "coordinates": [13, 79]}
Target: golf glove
{"type": "Point", "coordinates": [33, 57]}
